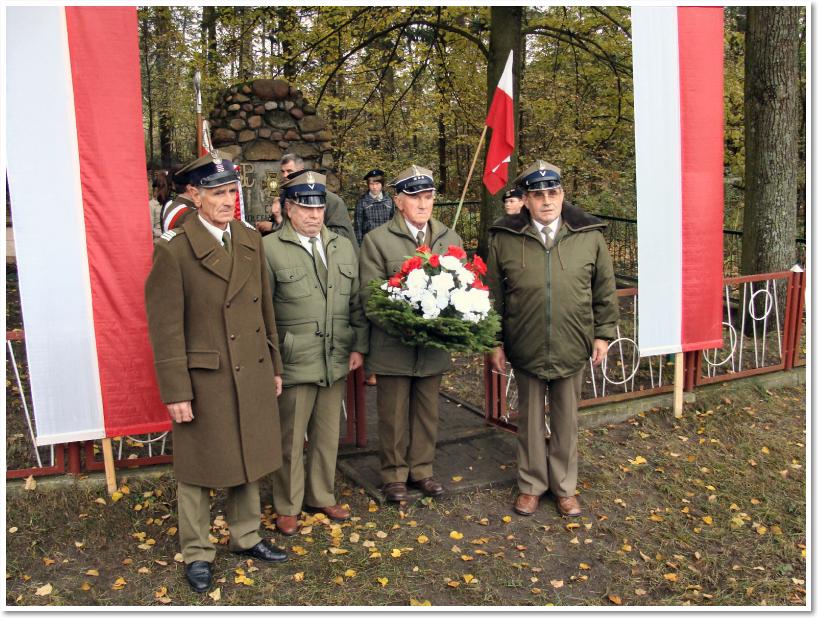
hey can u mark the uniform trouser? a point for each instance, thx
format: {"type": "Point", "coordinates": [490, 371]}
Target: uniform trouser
{"type": "Point", "coordinates": [315, 409]}
{"type": "Point", "coordinates": [407, 416]}
{"type": "Point", "coordinates": [540, 468]}
{"type": "Point", "coordinates": [242, 514]}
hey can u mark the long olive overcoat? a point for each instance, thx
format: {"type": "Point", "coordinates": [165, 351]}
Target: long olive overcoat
{"type": "Point", "coordinates": [382, 254]}
{"type": "Point", "coordinates": [214, 336]}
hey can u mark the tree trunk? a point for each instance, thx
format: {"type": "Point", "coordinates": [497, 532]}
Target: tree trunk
{"type": "Point", "coordinates": [771, 138]}
{"type": "Point", "coordinates": [164, 116]}
{"type": "Point", "coordinates": [506, 35]}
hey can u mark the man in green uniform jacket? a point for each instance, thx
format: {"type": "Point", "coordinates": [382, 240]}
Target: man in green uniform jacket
{"type": "Point", "coordinates": [552, 282]}
{"type": "Point", "coordinates": [408, 378]}
{"type": "Point", "coordinates": [314, 283]}
{"type": "Point", "coordinates": [212, 329]}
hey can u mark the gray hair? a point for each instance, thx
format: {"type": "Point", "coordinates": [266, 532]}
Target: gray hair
{"type": "Point", "coordinates": [292, 157]}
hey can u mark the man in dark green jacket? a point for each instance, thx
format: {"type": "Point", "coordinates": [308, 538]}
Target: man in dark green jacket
{"type": "Point", "coordinates": [552, 281]}
{"type": "Point", "coordinates": [408, 378]}
{"type": "Point", "coordinates": [315, 286]}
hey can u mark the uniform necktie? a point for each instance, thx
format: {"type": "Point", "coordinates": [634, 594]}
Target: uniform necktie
{"type": "Point", "coordinates": [420, 238]}
{"type": "Point", "coordinates": [319, 266]}
{"type": "Point", "coordinates": [227, 243]}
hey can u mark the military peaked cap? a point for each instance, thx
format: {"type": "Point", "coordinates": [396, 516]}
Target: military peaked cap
{"type": "Point", "coordinates": [305, 188]}
{"type": "Point", "coordinates": [540, 175]}
{"type": "Point", "coordinates": [414, 179]}
{"type": "Point", "coordinates": [212, 170]}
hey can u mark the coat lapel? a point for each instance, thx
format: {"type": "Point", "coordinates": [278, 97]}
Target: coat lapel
{"type": "Point", "coordinates": [207, 249]}
{"type": "Point", "coordinates": [242, 257]}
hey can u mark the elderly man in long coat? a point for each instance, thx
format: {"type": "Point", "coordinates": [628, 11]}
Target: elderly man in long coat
{"type": "Point", "coordinates": [212, 328]}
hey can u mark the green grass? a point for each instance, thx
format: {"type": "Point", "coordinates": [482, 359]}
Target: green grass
{"type": "Point", "coordinates": [711, 461]}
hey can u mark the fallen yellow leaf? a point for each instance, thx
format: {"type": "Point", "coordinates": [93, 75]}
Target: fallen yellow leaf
{"type": "Point", "coordinates": [422, 539]}
{"type": "Point", "coordinates": [92, 572]}
{"type": "Point", "coordinates": [350, 573]}
{"type": "Point", "coordinates": [395, 552]}
{"type": "Point", "coordinates": [506, 519]}
{"type": "Point", "coordinates": [483, 521]}
{"type": "Point", "coordinates": [455, 535]}
{"type": "Point", "coordinates": [86, 586]}
{"type": "Point", "coordinates": [31, 484]}
{"type": "Point", "coordinates": [383, 581]}
{"type": "Point", "coordinates": [215, 595]}
{"type": "Point", "coordinates": [708, 520]}
{"type": "Point", "coordinates": [335, 551]}
{"type": "Point", "coordinates": [299, 576]}
{"type": "Point", "coordinates": [671, 576]}
{"type": "Point", "coordinates": [637, 461]}
{"type": "Point", "coordinates": [557, 583]}
{"type": "Point", "coordinates": [584, 566]}
{"type": "Point", "coordinates": [116, 496]}
{"type": "Point", "coordinates": [615, 599]}
{"type": "Point", "coordinates": [468, 578]}
{"type": "Point", "coordinates": [456, 478]}
{"type": "Point", "coordinates": [765, 450]}
{"type": "Point", "coordinates": [45, 590]}
{"type": "Point", "coordinates": [338, 580]}
{"type": "Point", "coordinates": [420, 603]}
{"type": "Point", "coordinates": [453, 583]}
{"type": "Point", "coordinates": [118, 584]}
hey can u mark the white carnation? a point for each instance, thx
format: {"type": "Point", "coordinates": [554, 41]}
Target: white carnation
{"type": "Point", "coordinates": [428, 304]}
{"type": "Point", "coordinates": [466, 277]}
{"type": "Point", "coordinates": [416, 279]}
{"type": "Point", "coordinates": [442, 283]}
{"type": "Point", "coordinates": [450, 263]}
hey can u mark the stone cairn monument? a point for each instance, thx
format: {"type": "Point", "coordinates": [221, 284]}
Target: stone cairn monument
{"type": "Point", "coordinates": [256, 122]}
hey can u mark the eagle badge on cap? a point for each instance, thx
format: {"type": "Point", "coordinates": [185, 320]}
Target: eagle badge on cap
{"type": "Point", "coordinates": [309, 179]}
{"type": "Point", "coordinates": [218, 161]}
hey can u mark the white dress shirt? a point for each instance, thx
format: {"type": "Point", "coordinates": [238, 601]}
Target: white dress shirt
{"type": "Point", "coordinates": [215, 231]}
{"type": "Point", "coordinates": [548, 232]}
{"type": "Point", "coordinates": [306, 242]}
{"type": "Point", "coordinates": [413, 230]}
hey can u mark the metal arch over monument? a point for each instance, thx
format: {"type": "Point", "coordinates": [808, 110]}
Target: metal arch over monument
{"type": "Point", "coordinates": [259, 121]}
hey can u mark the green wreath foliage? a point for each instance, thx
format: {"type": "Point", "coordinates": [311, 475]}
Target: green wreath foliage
{"type": "Point", "coordinates": [454, 334]}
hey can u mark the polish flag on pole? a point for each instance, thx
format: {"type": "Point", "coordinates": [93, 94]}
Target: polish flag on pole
{"type": "Point", "coordinates": [501, 121]}
{"type": "Point", "coordinates": [678, 120]}
{"type": "Point", "coordinates": [82, 227]}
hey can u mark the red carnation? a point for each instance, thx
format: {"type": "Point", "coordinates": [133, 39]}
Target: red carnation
{"type": "Point", "coordinates": [395, 281]}
{"type": "Point", "coordinates": [423, 249]}
{"type": "Point", "coordinates": [456, 251]}
{"type": "Point", "coordinates": [411, 263]}
{"type": "Point", "coordinates": [434, 261]}
{"type": "Point", "coordinates": [479, 265]}
{"type": "Point", "coordinates": [478, 284]}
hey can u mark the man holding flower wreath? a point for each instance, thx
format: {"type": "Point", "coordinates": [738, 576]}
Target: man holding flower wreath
{"type": "Point", "coordinates": [408, 376]}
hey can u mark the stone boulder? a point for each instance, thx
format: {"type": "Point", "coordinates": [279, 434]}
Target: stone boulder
{"type": "Point", "coordinates": [262, 150]}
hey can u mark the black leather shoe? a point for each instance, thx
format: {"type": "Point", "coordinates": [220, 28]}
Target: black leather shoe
{"type": "Point", "coordinates": [266, 552]}
{"type": "Point", "coordinates": [199, 575]}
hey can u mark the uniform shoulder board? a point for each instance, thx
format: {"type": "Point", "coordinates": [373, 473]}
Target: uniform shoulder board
{"type": "Point", "coordinates": [169, 235]}
{"type": "Point", "coordinates": [250, 226]}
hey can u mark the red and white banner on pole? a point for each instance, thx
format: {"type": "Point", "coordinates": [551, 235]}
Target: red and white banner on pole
{"type": "Point", "coordinates": [500, 120]}
{"type": "Point", "coordinates": [82, 228]}
{"type": "Point", "coordinates": [678, 118]}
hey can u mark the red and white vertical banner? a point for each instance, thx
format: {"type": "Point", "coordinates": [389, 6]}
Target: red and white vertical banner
{"type": "Point", "coordinates": [500, 120]}
{"type": "Point", "coordinates": [678, 119]}
{"type": "Point", "coordinates": [82, 229]}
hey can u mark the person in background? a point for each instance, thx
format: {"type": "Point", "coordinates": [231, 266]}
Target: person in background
{"type": "Point", "coordinates": [160, 192]}
{"type": "Point", "coordinates": [184, 205]}
{"type": "Point", "coordinates": [512, 201]}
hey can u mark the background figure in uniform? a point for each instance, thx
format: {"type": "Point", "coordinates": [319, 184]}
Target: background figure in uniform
{"type": "Point", "coordinates": [336, 213]}
{"type": "Point", "coordinates": [512, 201]}
{"type": "Point", "coordinates": [214, 337]}
{"type": "Point", "coordinates": [314, 282]}
{"type": "Point", "coordinates": [185, 203]}
{"type": "Point", "coordinates": [552, 282]}
{"type": "Point", "coordinates": [408, 378]}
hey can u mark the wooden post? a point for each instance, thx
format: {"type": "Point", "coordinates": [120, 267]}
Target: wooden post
{"type": "Point", "coordinates": [679, 381]}
{"type": "Point", "coordinates": [108, 462]}
{"type": "Point", "coordinates": [468, 179]}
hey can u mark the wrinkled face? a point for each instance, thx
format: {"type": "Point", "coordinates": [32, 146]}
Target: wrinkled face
{"type": "Point", "coordinates": [545, 205]}
{"type": "Point", "coordinates": [286, 169]}
{"type": "Point", "coordinates": [513, 205]}
{"type": "Point", "coordinates": [217, 204]}
{"type": "Point", "coordinates": [374, 186]}
{"type": "Point", "coordinates": [305, 220]}
{"type": "Point", "coordinates": [416, 208]}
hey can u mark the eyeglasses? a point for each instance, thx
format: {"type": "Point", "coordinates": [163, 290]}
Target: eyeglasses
{"type": "Point", "coordinates": [550, 193]}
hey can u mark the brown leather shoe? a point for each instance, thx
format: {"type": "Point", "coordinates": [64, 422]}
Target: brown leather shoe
{"type": "Point", "coordinates": [287, 525]}
{"type": "Point", "coordinates": [569, 506]}
{"type": "Point", "coordinates": [395, 491]}
{"type": "Point", "coordinates": [334, 512]}
{"type": "Point", "coordinates": [429, 486]}
{"type": "Point", "coordinates": [526, 504]}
